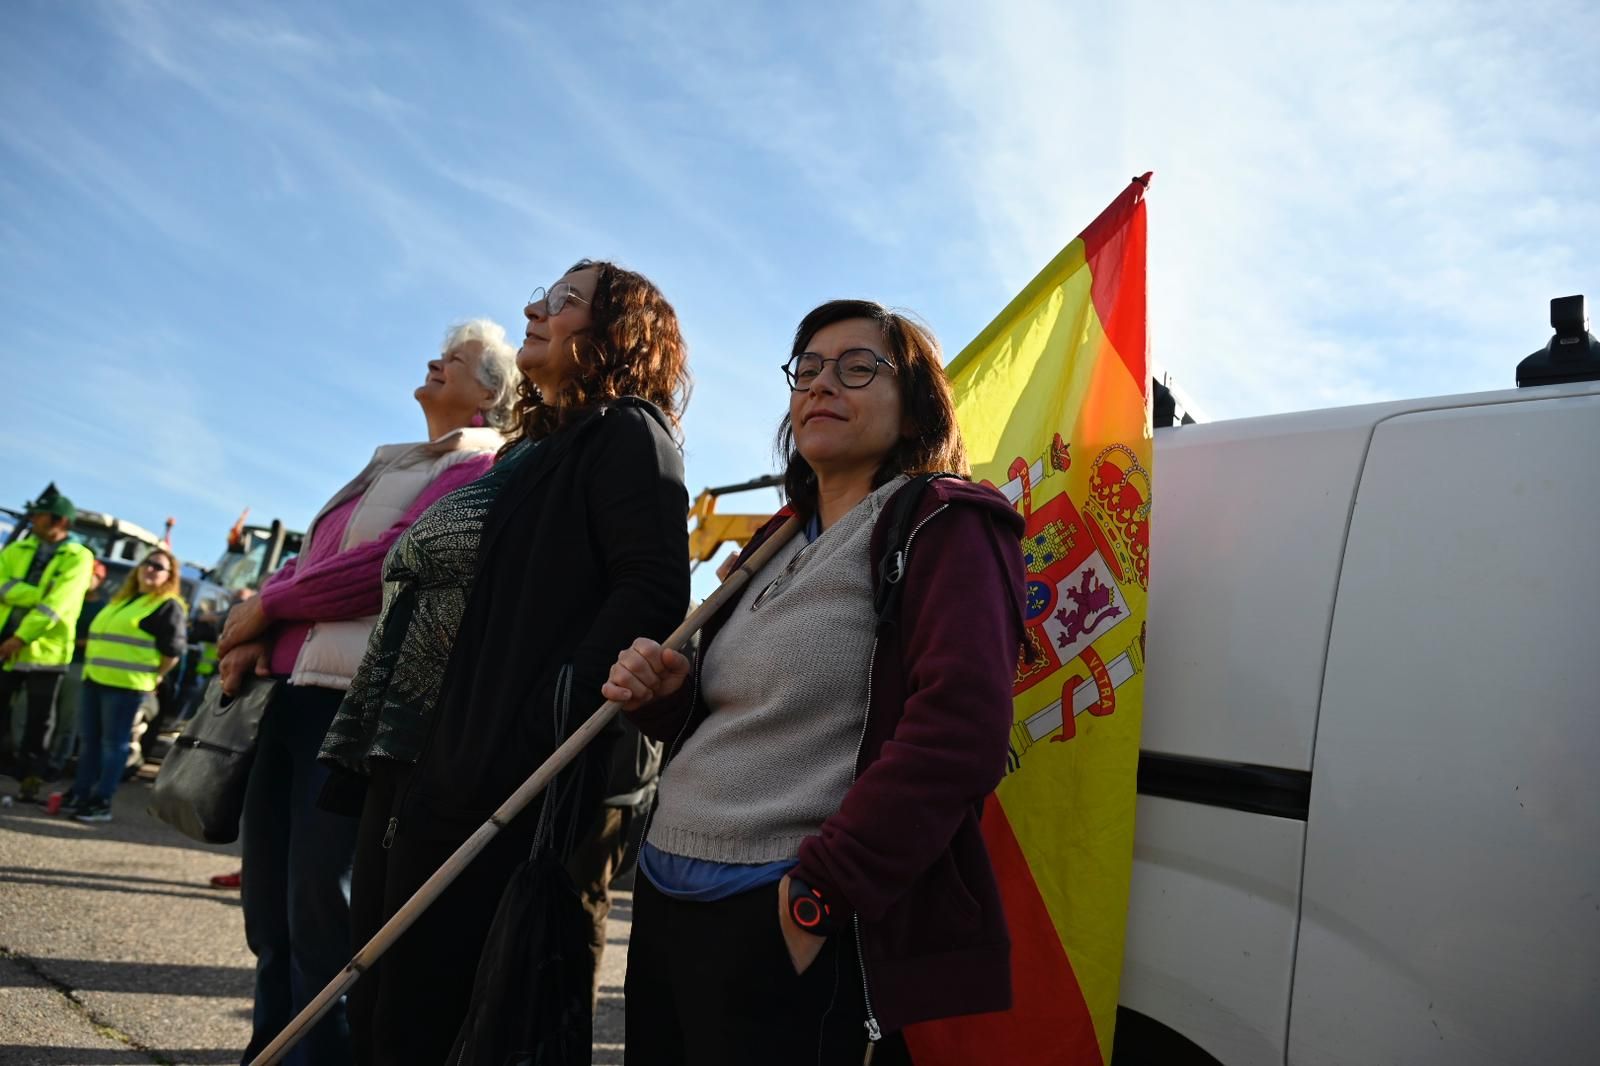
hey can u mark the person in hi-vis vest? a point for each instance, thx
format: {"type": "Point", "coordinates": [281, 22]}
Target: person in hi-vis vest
{"type": "Point", "coordinates": [208, 661]}
{"type": "Point", "coordinates": [43, 576]}
{"type": "Point", "coordinates": [133, 642]}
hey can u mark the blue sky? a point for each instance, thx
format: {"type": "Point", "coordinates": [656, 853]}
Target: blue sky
{"type": "Point", "coordinates": [232, 234]}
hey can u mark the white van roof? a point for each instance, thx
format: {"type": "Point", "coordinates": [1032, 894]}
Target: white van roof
{"type": "Point", "coordinates": [1248, 529]}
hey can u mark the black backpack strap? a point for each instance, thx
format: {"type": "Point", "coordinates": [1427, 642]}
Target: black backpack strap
{"type": "Point", "coordinates": [892, 564]}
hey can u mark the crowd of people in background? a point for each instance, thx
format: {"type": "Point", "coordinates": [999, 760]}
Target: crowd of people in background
{"type": "Point", "coordinates": [82, 698]}
{"type": "Point", "coordinates": [86, 664]}
{"type": "Point", "coordinates": [803, 791]}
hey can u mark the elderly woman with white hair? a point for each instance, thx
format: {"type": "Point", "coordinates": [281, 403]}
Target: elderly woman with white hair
{"type": "Point", "coordinates": [309, 628]}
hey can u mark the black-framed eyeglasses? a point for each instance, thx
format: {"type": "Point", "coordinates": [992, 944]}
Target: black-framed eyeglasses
{"type": "Point", "coordinates": [555, 298]}
{"type": "Point", "coordinates": [854, 368]}
{"type": "Point", "coordinates": [156, 568]}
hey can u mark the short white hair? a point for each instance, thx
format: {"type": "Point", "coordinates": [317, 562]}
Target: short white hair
{"type": "Point", "coordinates": [497, 366]}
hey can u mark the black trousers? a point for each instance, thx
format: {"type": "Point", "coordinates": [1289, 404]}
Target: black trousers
{"type": "Point", "coordinates": [712, 984]}
{"type": "Point", "coordinates": [367, 915]}
{"type": "Point", "coordinates": [424, 985]}
{"type": "Point", "coordinates": [594, 862]}
{"type": "Point", "coordinates": [41, 687]}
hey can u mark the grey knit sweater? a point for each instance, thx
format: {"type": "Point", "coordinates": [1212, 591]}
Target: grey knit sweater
{"type": "Point", "coordinates": [786, 682]}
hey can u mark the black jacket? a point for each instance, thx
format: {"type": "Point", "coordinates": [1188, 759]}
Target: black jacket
{"type": "Point", "coordinates": [587, 549]}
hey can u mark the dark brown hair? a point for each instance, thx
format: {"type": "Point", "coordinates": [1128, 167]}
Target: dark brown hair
{"type": "Point", "coordinates": [927, 408]}
{"type": "Point", "coordinates": [633, 347]}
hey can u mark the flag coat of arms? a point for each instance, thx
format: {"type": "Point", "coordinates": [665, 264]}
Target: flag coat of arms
{"type": "Point", "coordinates": [1052, 398]}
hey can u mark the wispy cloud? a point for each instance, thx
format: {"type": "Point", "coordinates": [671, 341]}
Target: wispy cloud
{"type": "Point", "coordinates": [308, 93]}
{"type": "Point", "coordinates": [41, 133]}
{"type": "Point", "coordinates": [1346, 200]}
{"type": "Point", "coordinates": [620, 131]}
{"type": "Point", "coordinates": [814, 114]}
{"type": "Point", "coordinates": [127, 431]}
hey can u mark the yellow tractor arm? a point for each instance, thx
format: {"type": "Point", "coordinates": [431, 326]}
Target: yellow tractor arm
{"type": "Point", "coordinates": [710, 531]}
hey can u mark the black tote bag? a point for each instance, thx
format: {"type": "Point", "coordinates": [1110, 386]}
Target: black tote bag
{"type": "Point", "coordinates": [200, 789]}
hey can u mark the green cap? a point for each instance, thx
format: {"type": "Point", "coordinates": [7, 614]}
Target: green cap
{"type": "Point", "coordinates": [51, 502]}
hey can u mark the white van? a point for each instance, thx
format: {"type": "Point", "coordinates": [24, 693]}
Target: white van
{"type": "Point", "coordinates": [1369, 812]}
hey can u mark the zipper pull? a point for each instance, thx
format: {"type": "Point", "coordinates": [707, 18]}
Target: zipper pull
{"type": "Point", "coordinates": [388, 834]}
{"type": "Point", "coordinates": [874, 1034]}
{"type": "Point", "coordinates": [897, 567]}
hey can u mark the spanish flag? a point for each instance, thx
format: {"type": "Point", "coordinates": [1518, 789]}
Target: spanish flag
{"type": "Point", "coordinates": [1053, 398]}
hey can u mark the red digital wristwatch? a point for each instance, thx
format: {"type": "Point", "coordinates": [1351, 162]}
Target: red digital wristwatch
{"type": "Point", "coordinates": [809, 910]}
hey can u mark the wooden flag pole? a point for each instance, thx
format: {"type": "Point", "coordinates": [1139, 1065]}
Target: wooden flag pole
{"type": "Point", "coordinates": [514, 804]}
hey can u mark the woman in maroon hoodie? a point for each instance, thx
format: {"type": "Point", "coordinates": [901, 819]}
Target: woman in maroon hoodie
{"type": "Point", "coordinates": [814, 876]}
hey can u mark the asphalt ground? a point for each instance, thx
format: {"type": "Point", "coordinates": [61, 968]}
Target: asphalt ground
{"type": "Point", "coordinates": [115, 949]}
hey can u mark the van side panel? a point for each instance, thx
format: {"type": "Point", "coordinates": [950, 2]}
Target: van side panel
{"type": "Point", "coordinates": [1211, 952]}
{"type": "Point", "coordinates": [1247, 532]}
{"type": "Point", "coordinates": [1452, 873]}
{"type": "Point", "coordinates": [1247, 526]}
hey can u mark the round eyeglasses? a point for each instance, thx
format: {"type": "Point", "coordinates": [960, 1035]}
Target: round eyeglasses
{"type": "Point", "coordinates": [854, 368]}
{"type": "Point", "coordinates": [555, 298]}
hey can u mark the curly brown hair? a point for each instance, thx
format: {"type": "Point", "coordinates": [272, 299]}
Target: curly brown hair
{"type": "Point", "coordinates": [926, 403]}
{"type": "Point", "coordinates": [633, 347]}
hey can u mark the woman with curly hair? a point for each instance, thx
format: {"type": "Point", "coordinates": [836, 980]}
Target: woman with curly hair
{"type": "Point", "coordinates": [581, 545]}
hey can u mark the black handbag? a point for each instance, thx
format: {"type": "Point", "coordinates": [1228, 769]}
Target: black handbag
{"type": "Point", "coordinates": [531, 996]}
{"type": "Point", "coordinates": [200, 789]}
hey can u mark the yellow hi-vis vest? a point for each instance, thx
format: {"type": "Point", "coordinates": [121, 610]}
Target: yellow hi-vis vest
{"type": "Point", "coordinates": [119, 653]}
{"type": "Point", "coordinates": [208, 660]}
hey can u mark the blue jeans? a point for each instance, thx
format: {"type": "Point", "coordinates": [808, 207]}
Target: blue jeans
{"type": "Point", "coordinates": [296, 876]}
{"type": "Point", "coordinates": [105, 725]}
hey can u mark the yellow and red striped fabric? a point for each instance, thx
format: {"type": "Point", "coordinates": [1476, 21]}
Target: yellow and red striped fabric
{"type": "Point", "coordinates": [1053, 399]}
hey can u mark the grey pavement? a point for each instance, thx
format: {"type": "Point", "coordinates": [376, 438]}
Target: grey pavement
{"type": "Point", "coordinates": [115, 949]}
